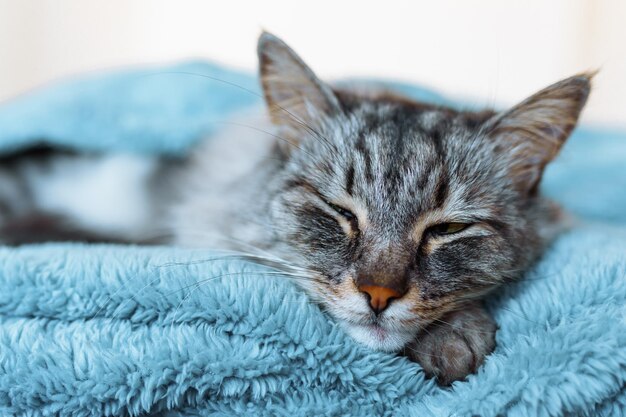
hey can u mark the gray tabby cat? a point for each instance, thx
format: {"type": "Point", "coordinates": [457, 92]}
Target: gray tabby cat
{"type": "Point", "coordinates": [402, 215]}
{"type": "Point", "coordinates": [405, 214]}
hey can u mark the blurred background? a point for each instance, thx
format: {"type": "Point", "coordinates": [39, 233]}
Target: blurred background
{"type": "Point", "coordinates": [489, 52]}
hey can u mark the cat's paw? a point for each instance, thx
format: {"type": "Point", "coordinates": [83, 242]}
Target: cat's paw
{"type": "Point", "coordinates": [456, 346]}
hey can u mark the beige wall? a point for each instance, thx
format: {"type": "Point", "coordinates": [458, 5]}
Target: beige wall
{"type": "Point", "coordinates": [490, 51]}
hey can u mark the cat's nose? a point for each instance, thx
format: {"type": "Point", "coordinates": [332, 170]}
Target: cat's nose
{"type": "Point", "coordinates": [379, 297]}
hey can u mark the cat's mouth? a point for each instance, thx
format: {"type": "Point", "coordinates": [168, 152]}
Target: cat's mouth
{"type": "Point", "coordinates": [378, 336]}
{"type": "Point", "coordinates": [388, 332]}
{"type": "Point", "coordinates": [378, 332]}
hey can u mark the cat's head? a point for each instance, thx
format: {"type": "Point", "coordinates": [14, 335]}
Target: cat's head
{"type": "Point", "coordinates": [407, 210]}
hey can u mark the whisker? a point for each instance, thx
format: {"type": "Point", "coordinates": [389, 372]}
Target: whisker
{"type": "Point", "coordinates": [432, 355]}
{"type": "Point", "coordinates": [242, 273]}
{"type": "Point", "coordinates": [262, 255]}
{"type": "Point", "coordinates": [316, 133]}
{"type": "Point", "coordinates": [441, 321]}
{"type": "Point", "coordinates": [270, 262]}
{"type": "Point", "coordinates": [202, 282]}
{"type": "Point", "coordinates": [518, 315]}
{"type": "Point", "coordinates": [154, 269]}
{"type": "Point", "coordinates": [538, 278]}
{"type": "Point", "coordinates": [267, 133]}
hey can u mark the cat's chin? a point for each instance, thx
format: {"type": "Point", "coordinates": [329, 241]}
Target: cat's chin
{"type": "Point", "coordinates": [377, 337]}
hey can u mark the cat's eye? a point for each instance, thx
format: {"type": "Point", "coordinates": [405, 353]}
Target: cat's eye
{"type": "Point", "coordinates": [449, 228]}
{"type": "Point", "coordinates": [347, 214]}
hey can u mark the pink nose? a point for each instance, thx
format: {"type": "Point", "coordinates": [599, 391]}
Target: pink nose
{"type": "Point", "coordinates": [379, 297]}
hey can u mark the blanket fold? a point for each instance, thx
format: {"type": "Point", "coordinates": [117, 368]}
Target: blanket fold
{"type": "Point", "coordinates": [128, 331]}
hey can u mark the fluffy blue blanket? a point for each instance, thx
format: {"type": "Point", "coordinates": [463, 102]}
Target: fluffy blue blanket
{"type": "Point", "coordinates": [119, 330]}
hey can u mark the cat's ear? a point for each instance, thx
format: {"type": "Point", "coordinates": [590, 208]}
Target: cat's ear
{"type": "Point", "coordinates": [296, 98]}
{"type": "Point", "coordinates": [530, 135]}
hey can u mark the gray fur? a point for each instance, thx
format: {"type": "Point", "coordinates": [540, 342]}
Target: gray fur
{"type": "Point", "coordinates": [349, 186]}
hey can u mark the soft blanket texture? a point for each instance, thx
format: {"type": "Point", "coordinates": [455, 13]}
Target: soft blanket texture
{"type": "Point", "coordinates": [118, 330]}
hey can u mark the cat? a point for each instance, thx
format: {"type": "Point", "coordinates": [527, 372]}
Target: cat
{"type": "Point", "coordinates": [397, 216]}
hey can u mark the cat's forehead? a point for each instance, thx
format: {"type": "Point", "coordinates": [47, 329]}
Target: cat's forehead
{"type": "Point", "coordinates": [400, 159]}
{"type": "Point", "coordinates": [390, 116]}
{"type": "Point", "coordinates": [396, 134]}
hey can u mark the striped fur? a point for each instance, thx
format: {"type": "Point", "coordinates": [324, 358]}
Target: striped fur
{"type": "Point", "coordinates": [352, 185]}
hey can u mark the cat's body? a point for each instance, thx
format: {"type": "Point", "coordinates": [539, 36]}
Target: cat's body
{"type": "Point", "coordinates": [397, 216]}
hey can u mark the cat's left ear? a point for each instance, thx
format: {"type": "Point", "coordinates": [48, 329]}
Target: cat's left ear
{"type": "Point", "coordinates": [296, 98]}
{"type": "Point", "coordinates": [531, 134]}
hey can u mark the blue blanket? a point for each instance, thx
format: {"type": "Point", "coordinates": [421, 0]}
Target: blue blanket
{"type": "Point", "coordinates": [123, 330]}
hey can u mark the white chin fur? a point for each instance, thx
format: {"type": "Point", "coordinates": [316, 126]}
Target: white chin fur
{"type": "Point", "coordinates": [381, 339]}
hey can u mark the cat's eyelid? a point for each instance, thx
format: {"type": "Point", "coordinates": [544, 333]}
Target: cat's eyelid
{"type": "Point", "coordinates": [476, 228]}
{"type": "Point", "coordinates": [464, 220]}
{"type": "Point", "coordinates": [443, 228]}
{"type": "Point", "coordinates": [354, 215]}
{"type": "Point", "coordinates": [345, 213]}
{"type": "Point", "coordinates": [340, 210]}
{"type": "Point", "coordinates": [467, 221]}
{"type": "Point", "coordinates": [329, 203]}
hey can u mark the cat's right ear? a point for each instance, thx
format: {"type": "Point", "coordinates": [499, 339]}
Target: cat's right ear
{"type": "Point", "coordinates": [531, 134]}
{"type": "Point", "coordinates": [296, 98]}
